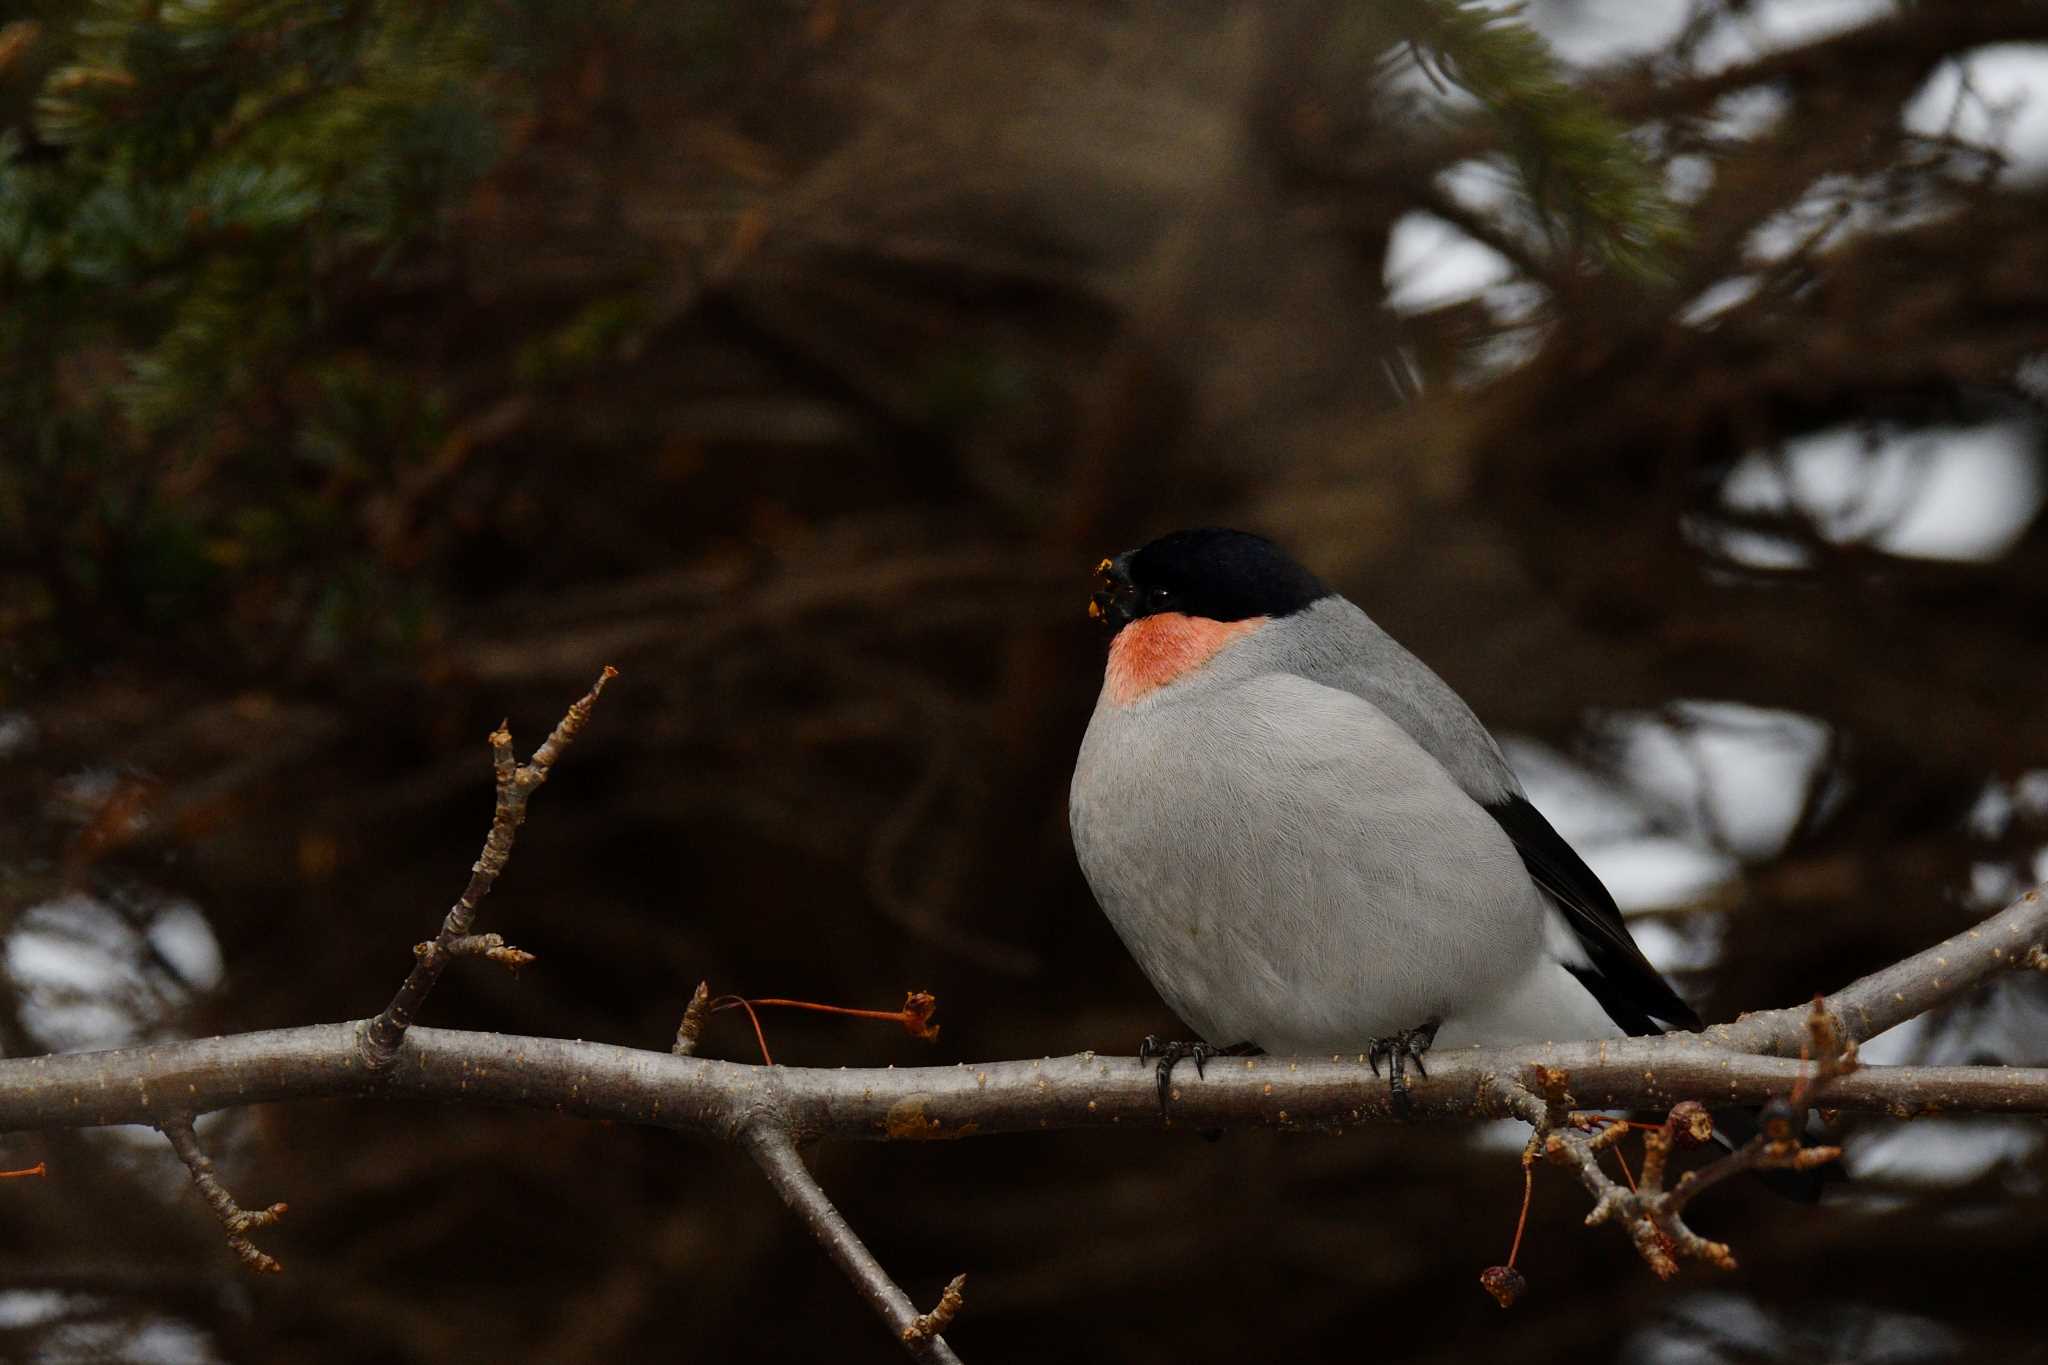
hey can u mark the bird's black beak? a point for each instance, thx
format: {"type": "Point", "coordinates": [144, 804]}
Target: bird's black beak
{"type": "Point", "coordinates": [1115, 601]}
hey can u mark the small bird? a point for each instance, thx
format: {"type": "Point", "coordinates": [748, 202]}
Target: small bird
{"type": "Point", "coordinates": [1309, 842]}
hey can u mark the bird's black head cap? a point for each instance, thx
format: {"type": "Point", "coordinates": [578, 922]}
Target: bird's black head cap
{"type": "Point", "coordinates": [1209, 571]}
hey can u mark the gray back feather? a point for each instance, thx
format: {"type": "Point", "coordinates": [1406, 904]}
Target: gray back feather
{"type": "Point", "coordinates": [1337, 645]}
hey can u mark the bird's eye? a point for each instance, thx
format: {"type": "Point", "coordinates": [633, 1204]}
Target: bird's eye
{"type": "Point", "coordinates": [1158, 598]}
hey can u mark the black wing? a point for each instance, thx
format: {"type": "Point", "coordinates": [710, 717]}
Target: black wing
{"type": "Point", "coordinates": [1617, 974]}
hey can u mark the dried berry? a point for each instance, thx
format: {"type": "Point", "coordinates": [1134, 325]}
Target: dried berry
{"type": "Point", "coordinates": [1691, 1124]}
{"type": "Point", "coordinates": [1504, 1282]}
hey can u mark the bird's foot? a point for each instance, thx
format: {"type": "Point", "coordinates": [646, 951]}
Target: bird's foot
{"type": "Point", "coordinates": [1397, 1050]}
{"type": "Point", "coordinates": [1170, 1052]}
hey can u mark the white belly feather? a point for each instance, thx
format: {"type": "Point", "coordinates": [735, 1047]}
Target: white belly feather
{"type": "Point", "coordinates": [1290, 869]}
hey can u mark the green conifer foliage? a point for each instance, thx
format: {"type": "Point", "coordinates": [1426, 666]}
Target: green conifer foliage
{"type": "Point", "coordinates": [184, 197]}
{"type": "Point", "coordinates": [1591, 200]}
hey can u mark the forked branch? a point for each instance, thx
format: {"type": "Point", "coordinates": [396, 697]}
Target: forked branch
{"type": "Point", "coordinates": [516, 785]}
{"type": "Point", "coordinates": [238, 1221]}
{"type": "Point", "coordinates": [1652, 1215]}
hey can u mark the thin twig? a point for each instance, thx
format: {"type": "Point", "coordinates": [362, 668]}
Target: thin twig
{"type": "Point", "coordinates": [770, 1146]}
{"type": "Point", "coordinates": [236, 1219]}
{"type": "Point", "coordinates": [490, 947]}
{"type": "Point", "coordinates": [1651, 1215]}
{"type": "Point", "coordinates": [516, 786]}
{"type": "Point", "coordinates": [1495, 236]}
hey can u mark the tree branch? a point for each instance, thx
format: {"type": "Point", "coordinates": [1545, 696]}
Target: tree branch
{"type": "Point", "coordinates": [236, 1219]}
{"type": "Point", "coordinates": [1916, 37]}
{"type": "Point", "coordinates": [770, 1146]}
{"type": "Point", "coordinates": [1889, 997]}
{"type": "Point", "coordinates": [516, 785]}
{"type": "Point", "coordinates": [1728, 1063]}
{"type": "Point", "coordinates": [1432, 199]}
{"type": "Point", "coordinates": [766, 1108]}
{"type": "Point", "coordinates": [711, 1099]}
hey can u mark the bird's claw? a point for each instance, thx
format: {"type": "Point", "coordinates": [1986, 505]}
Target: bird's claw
{"type": "Point", "coordinates": [1168, 1052]}
{"type": "Point", "coordinates": [1397, 1050]}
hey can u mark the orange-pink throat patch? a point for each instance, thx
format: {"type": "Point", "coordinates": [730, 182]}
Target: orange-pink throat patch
{"type": "Point", "coordinates": [1153, 651]}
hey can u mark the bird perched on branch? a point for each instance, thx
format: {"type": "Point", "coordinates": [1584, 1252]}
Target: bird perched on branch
{"type": "Point", "coordinates": [1309, 842]}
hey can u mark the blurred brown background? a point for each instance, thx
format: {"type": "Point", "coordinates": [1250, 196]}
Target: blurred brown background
{"type": "Point", "coordinates": [1676, 389]}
